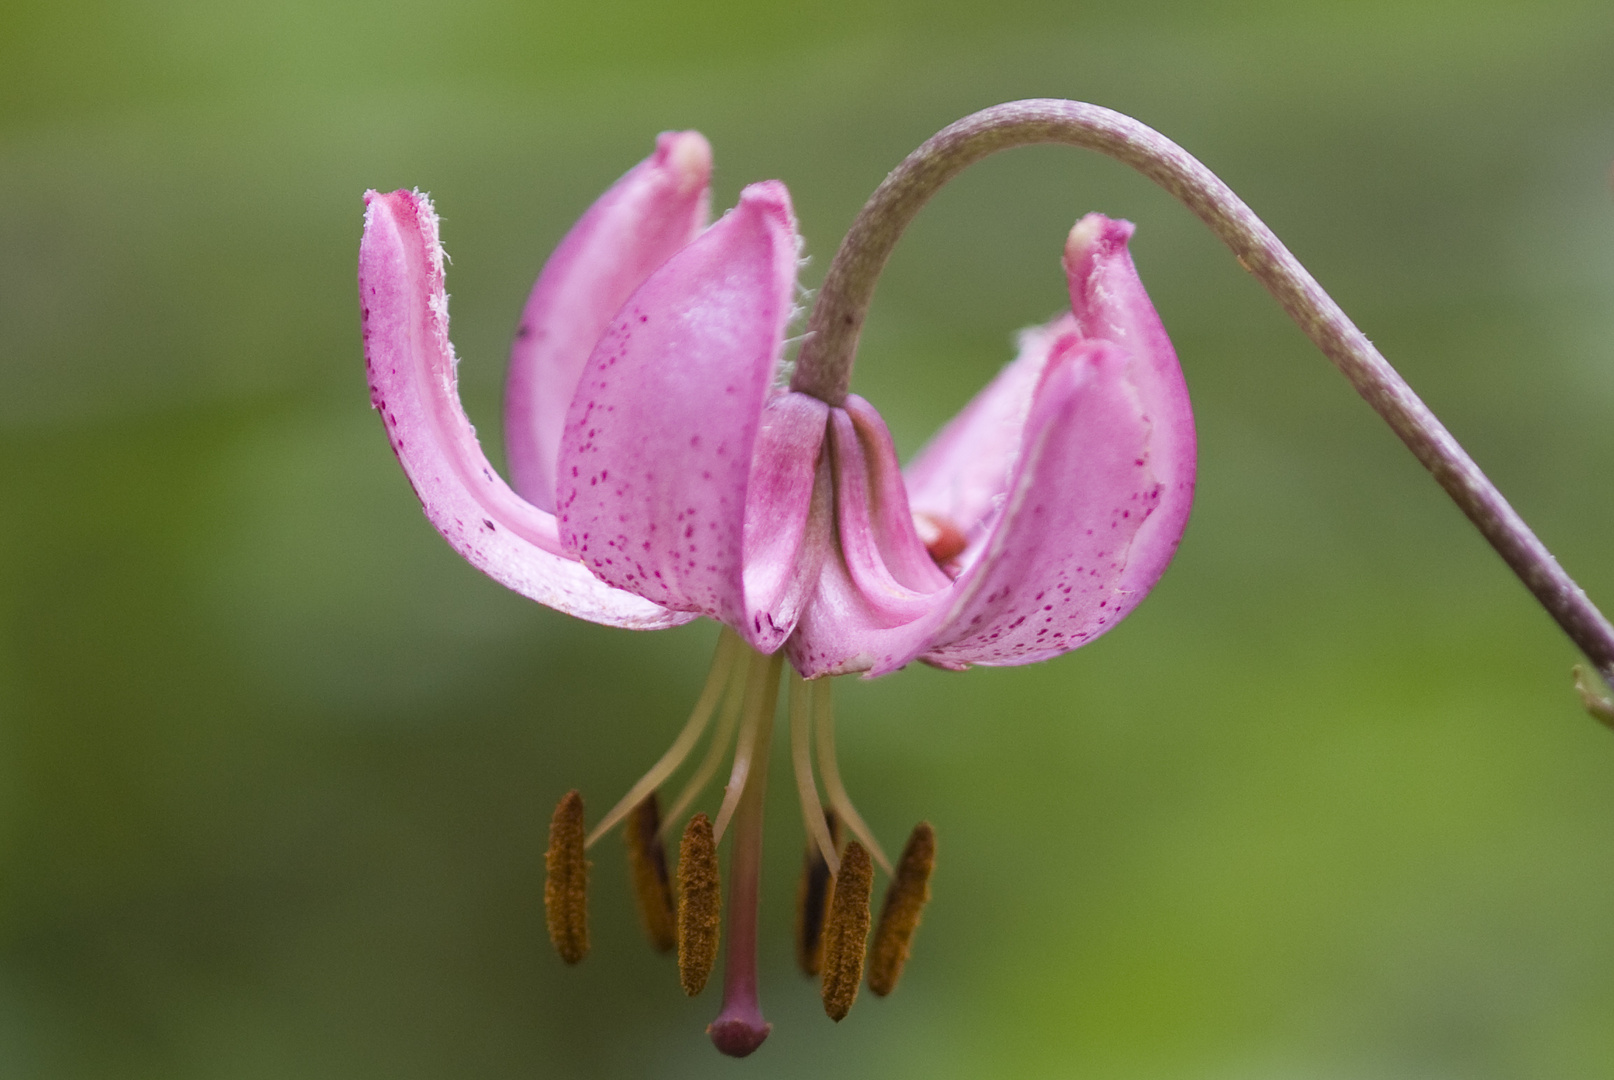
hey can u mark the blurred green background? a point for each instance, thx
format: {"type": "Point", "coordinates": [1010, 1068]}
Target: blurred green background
{"type": "Point", "coordinates": [276, 765]}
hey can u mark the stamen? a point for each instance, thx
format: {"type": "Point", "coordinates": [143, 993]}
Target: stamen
{"type": "Point", "coordinates": [739, 1028]}
{"type": "Point", "coordinates": [812, 900]}
{"type": "Point", "coordinates": [722, 741]}
{"type": "Point", "coordinates": [728, 643]}
{"type": "Point", "coordinates": [812, 811]}
{"type": "Point", "coordinates": [647, 866]}
{"type": "Point", "coordinates": [847, 931]}
{"type": "Point", "coordinates": [942, 539]}
{"type": "Point", "coordinates": [566, 881]}
{"type": "Point", "coordinates": [761, 694]}
{"type": "Point", "coordinates": [700, 905]}
{"type": "Point", "coordinates": [905, 900]}
{"type": "Point", "coordinates": [824, 719]}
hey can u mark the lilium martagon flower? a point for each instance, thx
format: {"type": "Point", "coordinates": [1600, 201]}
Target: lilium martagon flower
{"type": "Point", "coordinates": [663, 468]}
{"type": "Point", "coordinates": [666, 464]}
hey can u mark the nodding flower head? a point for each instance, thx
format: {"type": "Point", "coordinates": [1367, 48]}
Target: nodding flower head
{"type": "Point", "coordinates": [662, 471]}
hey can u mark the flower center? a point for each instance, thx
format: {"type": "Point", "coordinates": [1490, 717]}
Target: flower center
{"type": "Point", "coordinates": [832, 919]}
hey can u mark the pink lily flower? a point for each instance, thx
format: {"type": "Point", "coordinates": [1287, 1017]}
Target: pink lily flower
{"type": "Point", "coordinates": [661, 470]}
{"type": "Point", "coordinates": [1069, 478]}
{"type": "Point", "coordinates": [510, 535]}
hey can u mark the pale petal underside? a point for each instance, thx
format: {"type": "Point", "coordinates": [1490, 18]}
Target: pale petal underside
{"type": "Point", "coordinates": [642, 221]}
{"type": "Point", "coordinates": [1109, 303]}
{"type": "Point", "coordinates": [413, 386]}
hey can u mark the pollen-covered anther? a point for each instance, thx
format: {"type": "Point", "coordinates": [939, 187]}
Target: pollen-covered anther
{"type": "Point", "coordinates": [700, 905]}
{"type": "Point", "coordinates": [647, 866]}
{"type": "Point", "coordinates": [905, 900]}
{"type": "Point", "coordinates": [942, 539]}
{"type": "Point", "coordinates": [566, 881]}
{"type": "Point", "coordinates": [812, 900]}
{"type": "Point", "coordinates": [846, 931]}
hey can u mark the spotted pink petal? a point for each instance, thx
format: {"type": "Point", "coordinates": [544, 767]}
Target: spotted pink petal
{"type": "Point", "coordinates": [412, 384]}
{"type": "Point", "coordinates": [659, 206]}
{"type": "Point", "coordinates": [1052, 575]}
{"type": "Point", "coordinates": [1109, 303]}
{"type": "Point", "coordinates": [1072, 475]}
{"type": "Point", "coordinates": [1049, 576]}
{"type": "Point", "coordinates": [654, 488]}
{"type": "Point", "coordinates": [789, 522]}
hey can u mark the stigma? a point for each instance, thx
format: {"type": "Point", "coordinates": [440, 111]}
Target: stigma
{"type": "Point", "coordinates": [689, 911]}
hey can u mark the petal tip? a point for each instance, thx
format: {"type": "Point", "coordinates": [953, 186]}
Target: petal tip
{"type": "Point", "coordinates": [768, 197]}
{"type": "Point", "coordinates": [1093, 236]}
{"type": "Point", "coordinates": [687, 156]}
{"type": "Point", "coordinates": [399, 207]}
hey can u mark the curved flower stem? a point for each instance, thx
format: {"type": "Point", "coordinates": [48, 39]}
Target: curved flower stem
{"type": "Point", "coordinates": [825, 365]}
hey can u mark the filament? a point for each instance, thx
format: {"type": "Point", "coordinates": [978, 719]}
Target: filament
{"type": "Point", "coordinates": [722, 740]}
{"type": "Point", "coordinates": [722, 659]}
{"type": "Point", "coordinates": [761, 693]}
{"type": "Point", "coordinates": [812, 810]}
{"type": "Point", "coordinates": [824, 720]}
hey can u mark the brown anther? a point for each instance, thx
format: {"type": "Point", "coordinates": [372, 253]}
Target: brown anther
{"type": "Point", "coordinates": [700, 905]}
{"type": "Point", "coordinates": [905, 901]}
{"type": "Point", "coordinates": [942, 539]}
{"type": "Point", "coordinates": [647, 866]}
{"type": "Point", "coordinates": [812, 900]}
{"type": "Point", "coordinates": [566, 880]}
{"type": "Point", "coordinates": [846, 932]}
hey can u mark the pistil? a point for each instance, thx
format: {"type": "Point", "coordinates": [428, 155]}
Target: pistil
{"type": "Point", "coordinates": [739, 1028]}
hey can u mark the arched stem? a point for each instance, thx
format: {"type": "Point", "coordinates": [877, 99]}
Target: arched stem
{"type": "Point", "coordinates": [825, 365]}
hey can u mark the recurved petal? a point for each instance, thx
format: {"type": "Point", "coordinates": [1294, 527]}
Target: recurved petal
{"type": "Point", "coordinates": [789, 521]}
{"type": "Point", "coordinates": [961, 474]}
{"type": "Point", "coordinates": [841, 631]}
{"type": "Point", "coordinates": [1053, 574]}
{"type": "Point", "coordinates": [1049, 576]}
{"type": "Point", "coordinates": [657, 453]}
{"type": "Point", "coordinates": [412, 385]}
{"type": "Point", "coordinates": [659, 206]}
{"type": "Point", "coordinates": [1109, 303]}
{"type": "Point", "coordinates": [884, 557]}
